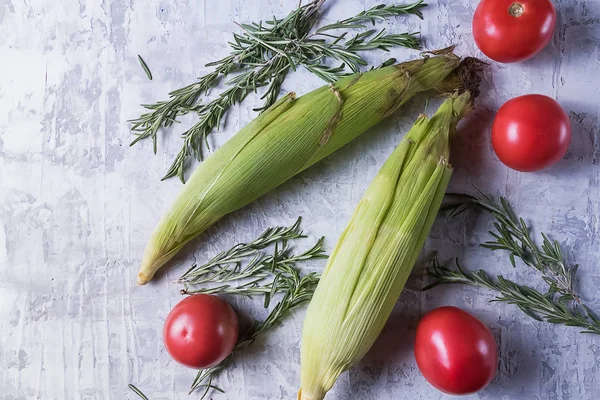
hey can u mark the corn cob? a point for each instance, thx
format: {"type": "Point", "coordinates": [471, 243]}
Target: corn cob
{"type": "Point", "coordinates": [289, 137]}
{"type": "Point", "coordinates": [375, 254]}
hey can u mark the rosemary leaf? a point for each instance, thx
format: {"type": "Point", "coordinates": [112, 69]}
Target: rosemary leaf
{"type": "Point", "coordinates": [137, 391]}
{"type": "Point", "coordinates": [220, 265]}
{"type": "Point", "coordinates": [530, 301]}
{"type": "Point", "coordinates": [145, 67]}
{"type": "Point", "coordinates": [261, 275]}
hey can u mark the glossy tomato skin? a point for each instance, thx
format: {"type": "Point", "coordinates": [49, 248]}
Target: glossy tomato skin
{"type": "Point", "coordinates": [531, 132]}
{"type": "Point", "coordinates": [513, 30]}
{"type": "Point", "coordinates": [455, 352]}
{"type": "Point", "coordinates": [201, 331]}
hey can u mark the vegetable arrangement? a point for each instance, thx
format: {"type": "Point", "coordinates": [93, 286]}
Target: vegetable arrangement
{"type": "Point", "coordinates": [289, 137]}
{"type": "Point", "coordinates": [352, 299]}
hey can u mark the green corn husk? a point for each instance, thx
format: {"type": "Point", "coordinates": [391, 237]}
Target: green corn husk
{"type": "Point", "coordinates": [289, 137]}
{"type": "Point", "coordinates": [375, 254]}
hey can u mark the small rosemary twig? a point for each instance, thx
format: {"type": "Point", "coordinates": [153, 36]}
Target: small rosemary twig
{"type": "Point", "coordinates": [227, 263]}
{"type": "Point", "coordinates": [256, 274]}
{"type": "Point", "coordinates": [560, 304]}
{"type": "Point", "coordinates": [379, 12]}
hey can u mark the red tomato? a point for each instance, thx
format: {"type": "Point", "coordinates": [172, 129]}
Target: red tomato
{"type": "Point", "coordinates": [201, 331]}
{"type": "Point", "coordinates": [513, 30]}
{"type": "Point", "coordinates": [531, 132]}
{"type": "Point", "coordinates": [455, 352]}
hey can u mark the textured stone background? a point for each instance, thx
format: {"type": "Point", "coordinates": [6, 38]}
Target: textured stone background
{"type": "Point", "coordinates": [77, 204]}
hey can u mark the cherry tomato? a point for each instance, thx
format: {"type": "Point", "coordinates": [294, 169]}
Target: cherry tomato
{"type": "Point", "coordinates": [513, 30]}
{"type": "Point", "coordinates": [455, 352]}
{"type": "Point", "coordinates": [531, 132]}
{"type": "Point", "coordinates": [201, 331]}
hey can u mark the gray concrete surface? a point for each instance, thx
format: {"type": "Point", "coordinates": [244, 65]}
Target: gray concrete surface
{"type": "Point", "coordinates": [77, 204]}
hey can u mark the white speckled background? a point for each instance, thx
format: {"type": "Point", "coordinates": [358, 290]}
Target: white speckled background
{"type": "Point", "coordinates": [77, 204]}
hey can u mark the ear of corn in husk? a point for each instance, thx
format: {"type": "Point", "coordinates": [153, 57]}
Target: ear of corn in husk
{"type": "Point", "coordinates": [289, 137]}
{"type": "Point", "coordinates": [375, 254]}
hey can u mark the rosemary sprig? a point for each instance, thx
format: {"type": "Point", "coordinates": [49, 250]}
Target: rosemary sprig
{"type": "Point", "coordinates": [533, 303]}
{"type": "Point", "coordinates": [277, 267]}
{"type": "Point", "coordinates": [512, 234]}
{"type": "Point", "coordinates": [379, 12]}
{"type": "Point", "coordinates": [263, 55]}
{"type": "Point", "coordinates": [222, 267]}
{"type": "Point", "coordinates": [256, 274]}
{"type": "Point", "coordinates": [560, 304]}
{"type": "Point", "coordinates": [145, 67]}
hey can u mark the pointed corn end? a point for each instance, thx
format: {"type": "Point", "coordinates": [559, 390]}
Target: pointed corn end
{"type": "Point", "coordinates": [303, 397]}
{"type": "Point", "coordinates": [142, 279]}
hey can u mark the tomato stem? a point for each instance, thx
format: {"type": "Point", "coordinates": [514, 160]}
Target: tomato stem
{"type": "Point", "coordinates": [516, 9]}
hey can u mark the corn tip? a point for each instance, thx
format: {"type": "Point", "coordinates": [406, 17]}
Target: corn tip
{"type": "Point", "coordinates": [302, 397]}
{"type": "Point", "coordinates": [142, 279]}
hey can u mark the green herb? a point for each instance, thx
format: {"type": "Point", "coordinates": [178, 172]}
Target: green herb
{"type": "Point", "coordinates": [379, 12]}
{"type": "Point", "coordinates": [145, 67]}
{"type": "Point", "coordinates": [262, 275]}
{"type": "Point", "coordinates": [559, 304]}
{"type": "Point", "coordinates": [257, 274]}
{"type": "Point", "coordinates": [263, 55]}
{"type": "Point", "coordinates": [533, 303]}
{"type": "Point", "coordinates": [259, 269]}
{"type": "Point", "coordinates": [197, 274]}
